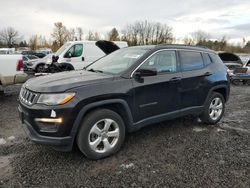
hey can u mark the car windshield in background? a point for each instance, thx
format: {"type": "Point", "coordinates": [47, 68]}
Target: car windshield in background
{"type": "Point", "coordinates": [118, 61]}
{"type": "Point", "coordinates": [66, 45]}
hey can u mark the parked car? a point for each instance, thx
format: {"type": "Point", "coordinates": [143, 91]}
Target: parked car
{"type": "Point", "coordinates": [7, 50]}
{"type": "Point", "coordinates": [247, 65]}
{"type": "Point", "coordinates": [123, 92]}
{"type": "Point", "coordinates": [40, 55]}
{"type": "Point", "coordinates": [11, 70]}
{"type": "Point", "coordinates": [34, 64]}
{"type": "Point", "coordinates": [232, 61]}
{"type": "Point", "coordinates": [76, 55]}
{"type": "Point", "coordinates": [45, 51]}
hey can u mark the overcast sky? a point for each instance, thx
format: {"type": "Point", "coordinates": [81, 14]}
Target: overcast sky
{"type": "Point", "coordinates": [217, 17]}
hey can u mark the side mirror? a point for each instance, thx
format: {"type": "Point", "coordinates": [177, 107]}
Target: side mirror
{"type": "Point", "coordinates": [145, 73]}
{"type": "Point", "coordinates": [68, 55]}
{"type": "Point", "coordinates": [55, 58]}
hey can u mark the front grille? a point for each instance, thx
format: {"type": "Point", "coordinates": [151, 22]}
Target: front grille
{"type": "Point", "coordinates": [27, 96]}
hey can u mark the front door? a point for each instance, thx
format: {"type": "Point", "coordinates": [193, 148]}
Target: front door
{"type": "Point", "coordinates": [74, 56]}
{"type": "Point", "coordinates": [159, 94]}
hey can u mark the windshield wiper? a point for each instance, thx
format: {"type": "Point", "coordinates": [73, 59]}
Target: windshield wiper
{"type": "Point", "coordinates": [92, 70]}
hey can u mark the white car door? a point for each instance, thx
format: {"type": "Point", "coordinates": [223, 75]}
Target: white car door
{"type": "Point", "coordinates": [74, 56]}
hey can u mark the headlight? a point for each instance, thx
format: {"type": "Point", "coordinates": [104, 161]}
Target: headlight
{"type": "Point", "coordinates": [55, 99]}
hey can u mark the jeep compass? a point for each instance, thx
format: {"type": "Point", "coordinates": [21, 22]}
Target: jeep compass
{"type": "Point", "coordinates": [123, 92]}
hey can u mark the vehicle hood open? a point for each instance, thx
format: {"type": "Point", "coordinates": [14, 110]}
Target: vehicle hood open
{"type": "Point", "coordinates": [61, 82]}
{"type": "Point", "coordinates": [107, 46]}
{"type": "Point", "coordinates": [230, 58]}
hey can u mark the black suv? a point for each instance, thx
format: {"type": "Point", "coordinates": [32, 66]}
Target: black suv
{"type": "Point", "coordinates": [122, 92]}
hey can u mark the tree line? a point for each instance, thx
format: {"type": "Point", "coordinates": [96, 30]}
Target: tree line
{"type": "Point", "coordinates": [137, 33]}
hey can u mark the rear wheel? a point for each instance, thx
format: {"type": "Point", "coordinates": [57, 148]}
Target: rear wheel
{"type": "Point", "coordinates": [214, 109]}
{"type": "Point", "coordinates": [248, 82]}
{"type": "Point", "coordinates": [101, 134]}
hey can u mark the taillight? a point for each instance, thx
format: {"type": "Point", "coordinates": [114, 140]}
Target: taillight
{"type": "Point", "coordinates": [19, 65]}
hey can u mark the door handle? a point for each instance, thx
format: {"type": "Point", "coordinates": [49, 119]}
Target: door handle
{"type": "Point", "coordinates": [175, 79]}
{"type": "Point", "coordinates": [207, 74]}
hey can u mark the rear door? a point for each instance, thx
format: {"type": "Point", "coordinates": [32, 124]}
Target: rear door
{"type": "Point", "coordinates": [194, 84]}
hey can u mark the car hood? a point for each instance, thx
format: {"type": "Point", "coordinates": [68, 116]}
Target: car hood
{"type": "Point", "coordinates": [61, 82]}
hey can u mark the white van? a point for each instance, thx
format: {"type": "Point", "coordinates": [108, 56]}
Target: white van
{"type": "Point", "coordinates": [79, 54]}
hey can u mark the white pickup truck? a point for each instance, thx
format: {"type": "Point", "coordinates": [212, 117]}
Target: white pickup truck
{"type": "Point", "coordinates": [11, 70]}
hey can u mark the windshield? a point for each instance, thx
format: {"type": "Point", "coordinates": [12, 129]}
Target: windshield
{"type": "Point", "coordinates": [66, 45]}
{"type": "Point", "coordinates": [118, 61]}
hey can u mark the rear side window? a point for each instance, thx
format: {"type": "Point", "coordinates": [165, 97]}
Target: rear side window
{"type": "Point", "coordinates": [215, 58]}
{"type": "Point", "coordinates": [191, 60]}
{"type": "Point", "coordinates": [207, 59]}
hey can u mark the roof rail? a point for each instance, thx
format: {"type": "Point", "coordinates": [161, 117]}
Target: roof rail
{"type": "Point", "coordinates": [183, 45]}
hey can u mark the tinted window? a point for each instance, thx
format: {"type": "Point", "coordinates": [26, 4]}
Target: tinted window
{"type": "Point", "coordinates": [215, 58]}
{"type": "Point", "coordinates": [164, 61]}
{"type": "Point", "coordinates": [207, 59]}
{"type": "Point", "coordinates": [76, 50]}
{"type": "Point", "coordinates": [191, 60]}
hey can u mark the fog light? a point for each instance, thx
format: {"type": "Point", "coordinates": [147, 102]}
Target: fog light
{"type": "Point", "coordinates": [49, 120]}
{"type": "Point", "coordinates": [49, 125]}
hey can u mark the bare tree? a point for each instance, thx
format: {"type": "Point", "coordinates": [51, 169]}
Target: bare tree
{"type": "Point", "coordinates": [79, 33]}
{"type": "Point", "coordinates": [94, 36]}
{"type": "Point", "coordinates": [188, 40]}
{"type": "Point", "coordinates": [200, 37]}
{"type": "Point", "coordinates": [144, 33]}
{"type": "Point", "coordinates": [90, 36]}
{"type": "Point", "coordinates": [72, 34]}
{"type": "Point", "coordinates": [60, 33]}
{"type": "Point", "coordinates": [9, 36]}
{"type": "Point", "coordinates": [33, 42]}
{"type": "Point", "coordinates": [113, 35]}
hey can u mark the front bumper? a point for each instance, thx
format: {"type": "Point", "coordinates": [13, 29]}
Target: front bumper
{"type": "Point", "coordinates": [62, 143]}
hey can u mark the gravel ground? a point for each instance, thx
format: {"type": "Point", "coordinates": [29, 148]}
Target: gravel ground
{"type": "Point", "coordinates": [177, 153]}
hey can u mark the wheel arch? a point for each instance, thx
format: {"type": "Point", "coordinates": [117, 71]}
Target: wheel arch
{"type": "Point", "coordinates": [39, 65]}
{"type": "Point", "coordinates": [222, 89]}
{"type": "Point", "coordinates": [67, 64]}
{"type": "Point", "coordinates": [117, 105]}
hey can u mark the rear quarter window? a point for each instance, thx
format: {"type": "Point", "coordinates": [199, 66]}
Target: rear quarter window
{"type": "Point", "coordinates": [207, 59]}
{"type": "Point", "coordinates": [215, 58]}
{"type": "Point", "coordinates": [191, 60]}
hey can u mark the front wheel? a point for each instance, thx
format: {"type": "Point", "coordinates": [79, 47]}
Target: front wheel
{"type": "Point", "coordinates": [40, 68]}
{"type": "Point", "coordinates": [214, 109]}
{"type": "Point", "coordinates": [101, 134]}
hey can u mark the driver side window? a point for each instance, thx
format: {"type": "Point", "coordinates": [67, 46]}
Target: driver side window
{"type": "Point", "coordinates": [162, 62]}
{"type": "Point", "coordinates": [75, 51]}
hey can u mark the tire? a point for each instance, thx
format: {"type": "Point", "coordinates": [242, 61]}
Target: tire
{"type": "Point", "coordinates": [108, 141]}
{"type": "Point", "coordinates": [213, 113]}
{"type": "Point", "coordinates": [237, 82]}
{"type": "Point", "coordinates": [40, 68]}
{"type": "Point", "coordinates": [248, 82]}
